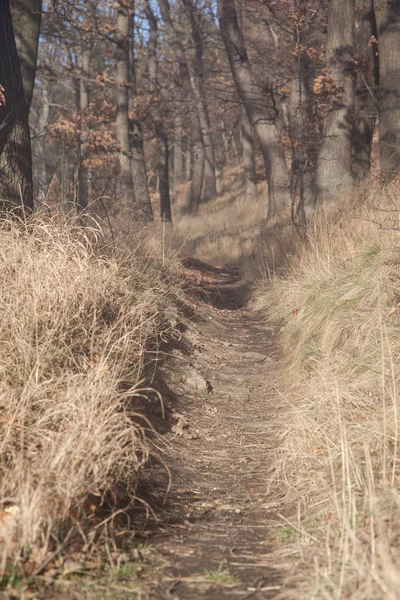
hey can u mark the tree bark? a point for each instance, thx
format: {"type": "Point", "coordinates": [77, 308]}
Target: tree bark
{"type": "Point", "coordinates": [27, 17]}
{"type": "Point", "coordinates": [82, 183]}
{"type": "Point", "coordinates": [178, 152]}
{"type": "Point", "coordinates": [365, 107]}
{"type": "Point", "coordinates": [41, 158]}
{"type": "Point", "coordinates": [210, 183]}
{"type": "Point", "coordinates": [138, 159]}
{"type": "Point", "coordinates": [197, 145]}
{"type": "Point", "coordinates": [387, 15]}
{"type": "Point", "coordinates": [259, 108]}
{"type": "Point", "coordinates": [188, 161]}
{"type": "Point", "coordinates": [248, 155]}
{"type": "Point", "coordinates": [126, 190]}
{"type": "Point", "coordinates": [16, 189]}
{"type": "Point", "coordinates": [334, 166]}
{"type": "Point", "coordinates": [162, 140]}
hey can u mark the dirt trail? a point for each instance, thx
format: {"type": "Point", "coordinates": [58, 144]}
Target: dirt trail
{"type": "Point", "coordinates": [218, 533]}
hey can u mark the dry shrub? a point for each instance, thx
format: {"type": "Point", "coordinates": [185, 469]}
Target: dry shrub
{"type": "Point", "coordinates": [75, 330]}
{"type": "Point", "coordinates": [339, 459]}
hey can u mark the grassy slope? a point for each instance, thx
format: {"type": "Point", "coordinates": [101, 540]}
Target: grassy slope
{"type": "Point", "coordinates": [339, 459]}
{"type": "Point", "coordinates": [75, 329]}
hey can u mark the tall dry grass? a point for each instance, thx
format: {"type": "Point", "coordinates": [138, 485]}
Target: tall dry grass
{"type": "Point", "coordinates": [339, 460]}
{"type": "Point", "coordinates": [75, 330]}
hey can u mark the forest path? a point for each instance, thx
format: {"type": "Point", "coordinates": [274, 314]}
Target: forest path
{"type": "Point", "coordinates": [219, 535]}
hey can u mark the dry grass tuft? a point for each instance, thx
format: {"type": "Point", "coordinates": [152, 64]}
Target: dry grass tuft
{"type": "Point", "coordinates": [75, 330]}
{"type": "Point", "coordinates": [339, 460]}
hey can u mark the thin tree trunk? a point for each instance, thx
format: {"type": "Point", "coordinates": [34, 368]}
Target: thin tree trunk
{"type": "Point", "coordinates": [16, 187]}
{"type": "Point", "coordinates": [334, 166]}
{"type": "Point", "coordinates": [188, 161]}
{"type": "Point", "coordinates": [126, 190]}
{"type": "Point", "coordinates": [197, 145]}
{"type": "Point", "coordinates": [178, 152]}
{"type": "Point", "coordinates": [42, 175]}
{"type": "Point", "coordinates": [26, 17]}
{"type": "Point", "coordinates": [248, 155]}
{"type": "Point", "coordinates": [162, 141]}
{"type": "Point", "coordinates": [82, 184]}
{"type": "Point", "coordinates": [196, 77]}
{"type": "Point", "coordinates": [387, 15]}
{"type": "Point", "coordinates": [139, 173]}
{"type": "Point", "coordinates": [261, 114]}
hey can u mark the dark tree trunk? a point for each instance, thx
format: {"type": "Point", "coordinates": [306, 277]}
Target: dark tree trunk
{"type": "Point", "coordinates": [162, 140]}
{"type": "Point", "coordinates": [387, 15]}
{"type": "Point", "coordinates": [259, 109]}
{"type": "Point", "coordinates": [27, 17]}
{"type": "Point", "coordinates": [365, 107]}
{"type": "Point", "coordinates": [334, 166]}
{"type": "Point", "coordinates": [16, 189]}
{"type": "Point", "coordinates": [196, 137]}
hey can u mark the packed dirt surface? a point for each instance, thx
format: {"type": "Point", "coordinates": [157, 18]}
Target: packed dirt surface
{"type": "Point", "coordinates": [218, 535]}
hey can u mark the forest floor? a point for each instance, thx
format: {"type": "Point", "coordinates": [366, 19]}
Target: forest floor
{"type": "Point", "coordinates": [219, 535]}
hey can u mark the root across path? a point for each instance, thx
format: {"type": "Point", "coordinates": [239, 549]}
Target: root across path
{"type": "Point", "coordinates": [219, 532]}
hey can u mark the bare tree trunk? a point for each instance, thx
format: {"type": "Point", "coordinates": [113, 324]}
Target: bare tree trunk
{"type": "Point", "coordinates": [26, 17]}
{"type": "Point", "coordinates": [162, 141]}
{"type": "Point", "coordinates": [82, 183]}
{"type": "Point", "coordinates": [209, 183]}
{"type": "Point", "coordinates": [42, 176]}
{"type": "Point", "coordinates": [127, 196]}
{"type": "Point", "coordinates": [16, 188]}
{"type": "Point", "coordinates": [178, 152]}
{"type": "Point", "coordinates": [188, 161]}
{"type": "Point", "coordinates": [139, 174]}
{"type": "Point", "coordinates": [260, 109]}
{"type": "Point", "coordinates": [387, 15]}
{"type": "Point", "coordinates": [197, 145]}
{"type": "Point", "coordinates": [334, 166]}
{"type": "Point", "coordinates": [365, 106]}
{"type": "Point", "coordinates": [248, 155]}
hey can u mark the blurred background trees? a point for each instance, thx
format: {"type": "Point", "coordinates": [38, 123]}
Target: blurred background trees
{"type": "Point", "coordinates": [132, 101]}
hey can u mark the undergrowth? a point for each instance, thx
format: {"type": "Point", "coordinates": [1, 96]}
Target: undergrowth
{"type": "Point", "coordinates": [78, 327]}
{"type": "Point", "coordinates": [339, 461]}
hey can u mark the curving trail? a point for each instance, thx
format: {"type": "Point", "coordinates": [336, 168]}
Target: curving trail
{"type": "Point", "coordinates": [218, 533]}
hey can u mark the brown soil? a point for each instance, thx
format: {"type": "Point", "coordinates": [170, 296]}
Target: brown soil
{"type": "Point", "coordinates": [218, 535]}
